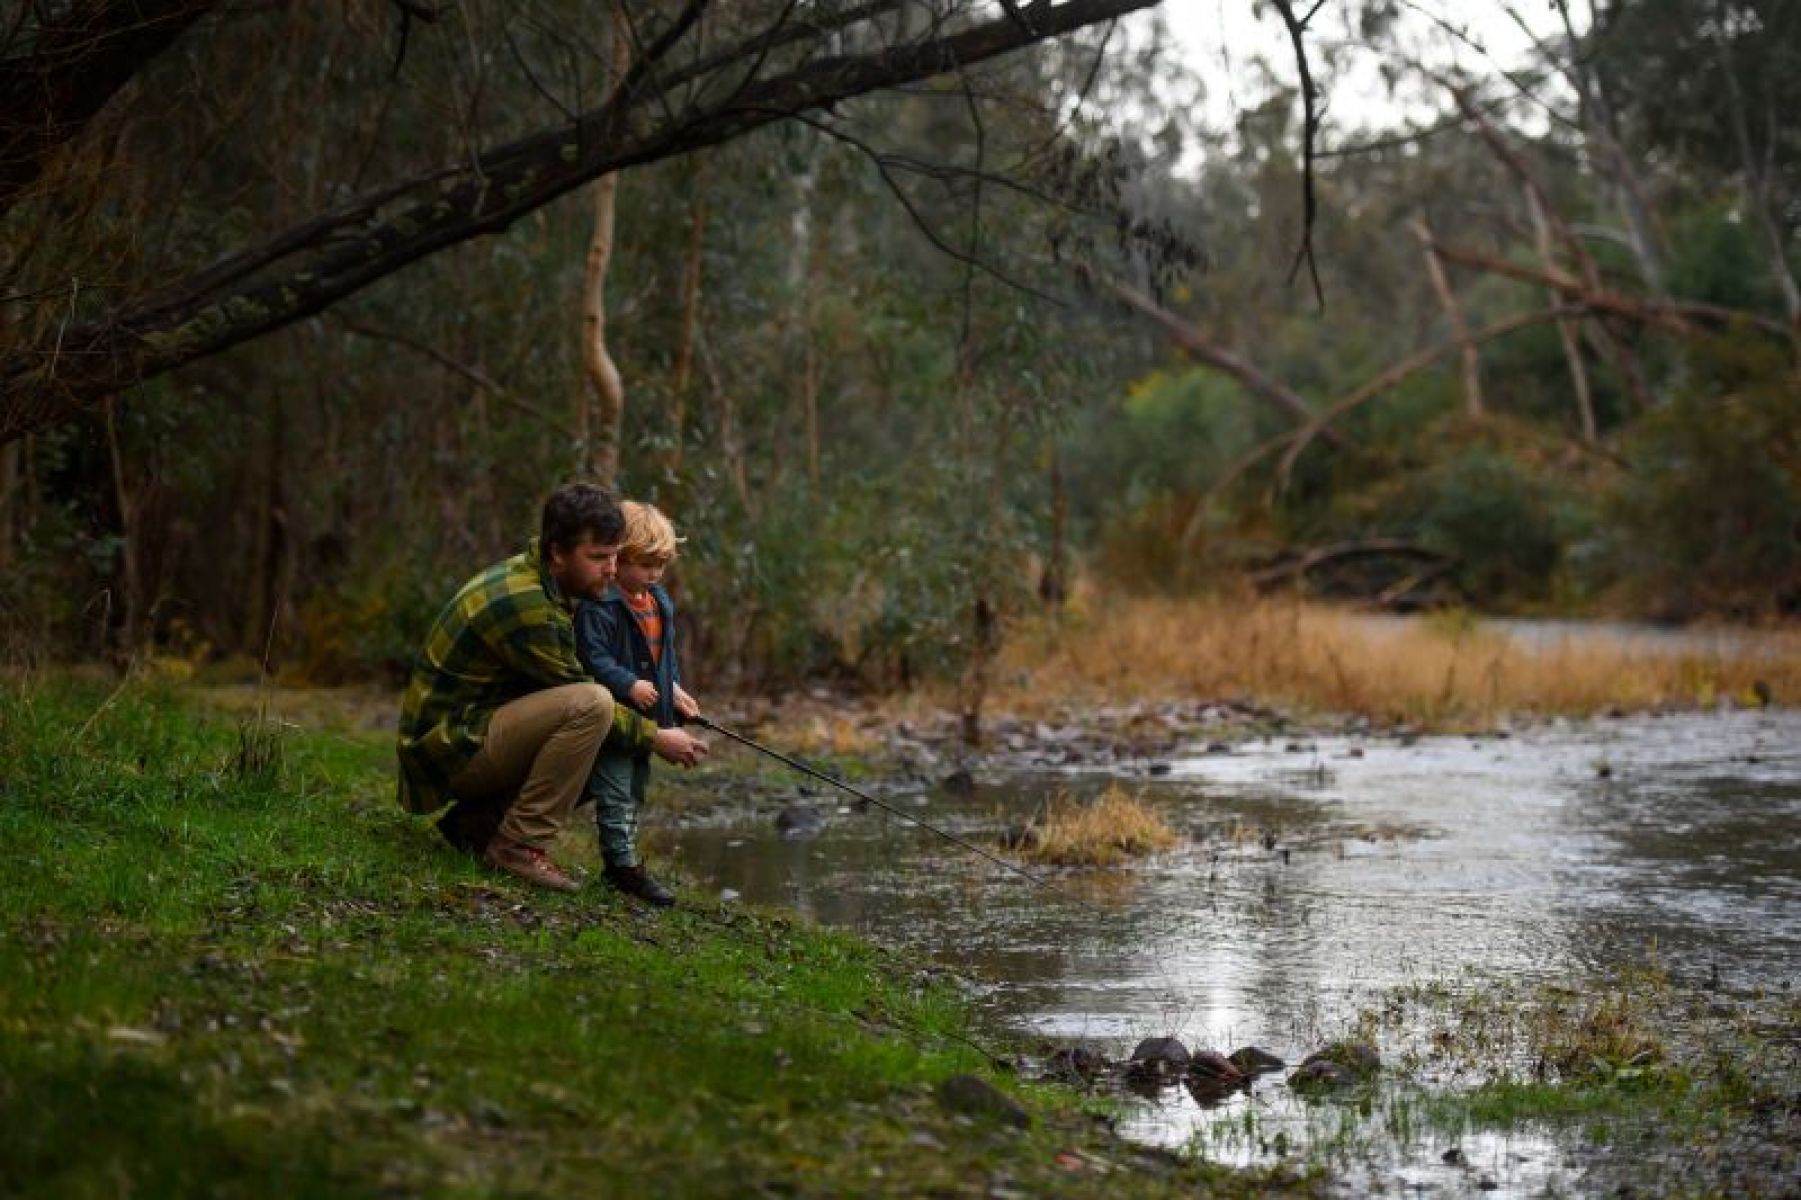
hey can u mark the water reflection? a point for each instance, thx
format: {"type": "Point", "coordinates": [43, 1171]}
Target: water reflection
{"type": "Point", "coordinates": [1318, 876]}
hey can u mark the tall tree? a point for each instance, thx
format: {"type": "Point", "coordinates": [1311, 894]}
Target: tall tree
{"type": "Point", "coordinates": [681, 94]}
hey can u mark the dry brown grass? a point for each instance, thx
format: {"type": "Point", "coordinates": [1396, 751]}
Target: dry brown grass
{"type": "Point", "coordinates": [1439, 672]}
{"type": "Point", "coordinates": [1115, 827]}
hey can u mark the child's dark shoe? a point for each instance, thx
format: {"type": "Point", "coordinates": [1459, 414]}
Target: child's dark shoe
{"type": "Point", "coordinates": [634, 881]}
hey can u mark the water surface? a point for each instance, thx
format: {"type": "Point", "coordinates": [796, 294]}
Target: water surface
{"type": "Point", "coordinates": [1321, 873]}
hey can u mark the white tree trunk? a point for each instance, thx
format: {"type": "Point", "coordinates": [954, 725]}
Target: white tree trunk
{"type": "Point", "coordinates": [1566, 328]}
{"type": "Point", "coordinates": [601, 429]}
{"type": "Point", "coordinates": [1460, 329]}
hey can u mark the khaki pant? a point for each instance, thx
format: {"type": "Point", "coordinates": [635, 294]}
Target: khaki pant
{"type": "Point", "coordinates": [541, 746]}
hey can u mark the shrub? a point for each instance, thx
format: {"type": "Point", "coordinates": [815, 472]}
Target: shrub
{"type": "Point", "coordinates": [1709, 518]}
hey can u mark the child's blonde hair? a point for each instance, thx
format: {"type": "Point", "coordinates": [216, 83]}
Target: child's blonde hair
{"type": "Point", "coordinates": [649, 535]}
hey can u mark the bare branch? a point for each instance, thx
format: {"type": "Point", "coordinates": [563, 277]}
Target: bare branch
{"type": "Point", "coordinates": [335, 255]}
{"type": "Point", "coordinates": [1220, 359]}
{"type": "Point", "coordinates": [1388, 379]}
{"type": "Point", "coordinates": [1673, 316]}
{"type": "Point", "coordinates": [473, 374]}
{"type": "Point", "coordinates": [48, 96]}
{"type": "Point", "coordinates": [882, 163]}
{"type": "Point", "coordinates": [1309, 130]}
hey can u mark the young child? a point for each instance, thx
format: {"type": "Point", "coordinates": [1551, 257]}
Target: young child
{"type": "Point", "coordinates": [626, 640]}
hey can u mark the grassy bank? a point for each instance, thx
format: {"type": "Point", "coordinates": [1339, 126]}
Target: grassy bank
{"type": "Point", "coordinates": [233, 967]}
{"type": "Point", "coordinates": [1440, 671]}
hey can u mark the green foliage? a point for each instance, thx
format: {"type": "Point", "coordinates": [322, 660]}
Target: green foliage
{"type": "Point", "coordinates": [1493, 517]}
{"type": "Point", "coordinates": [1139, 468]}
{"type": "Point", "coordinates": [1716, 257]}
{"type": "Point", "coordinates": [1709, 519]}
{"type": "Point", "coordinates": [854, 437]}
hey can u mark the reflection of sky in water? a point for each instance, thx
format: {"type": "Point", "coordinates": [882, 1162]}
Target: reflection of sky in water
{"type": "Point", "coordinates": [1445, 860]}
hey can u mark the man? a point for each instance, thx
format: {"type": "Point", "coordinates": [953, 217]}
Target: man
{"type": "Point", "coordinates": [499, 714]}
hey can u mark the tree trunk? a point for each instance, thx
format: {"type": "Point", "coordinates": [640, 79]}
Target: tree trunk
{"type": "Point", "coordinates": [600, 443]}
{"type": "Point", "coordinates": [682, 378]}
{"type": "Point", "coordinates": [1755, 188]}
{"type": "Point", "coordinates": [268, 542]}
{"type": "Point", "coordinates": [1053, 585]}
{"type": "Point", "coordinates": [129, 638]}
{"type": "Point", "coordinates": [1602, 132]}
{"type": "Point", "coordinates": [1566, 329]}
{"type": "Point", "coordinates": [731, 439]}
{"type": "Point", "coordinates": [9, 505]}
{"type": "Point", "coordinates": [604, 412]}
{"type": "Point", "coordinates": [1460, 330]}
{"type": "Point", "coordinates": [1617, 354]}
{"type": "Point", "coordinates": [984, 642]}
{"type": "Point", "coordinates": [487, 499]}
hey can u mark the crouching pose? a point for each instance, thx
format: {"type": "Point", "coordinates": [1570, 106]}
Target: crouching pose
{"type": "Point", "coordinates": [500, 720]}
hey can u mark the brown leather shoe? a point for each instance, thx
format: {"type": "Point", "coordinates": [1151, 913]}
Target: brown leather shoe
{"type": "Point", "coordinates": [528, 863]}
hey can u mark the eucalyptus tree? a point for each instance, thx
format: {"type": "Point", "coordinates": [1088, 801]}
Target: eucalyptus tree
{"type": "Point", "coordinates": [702, 74]}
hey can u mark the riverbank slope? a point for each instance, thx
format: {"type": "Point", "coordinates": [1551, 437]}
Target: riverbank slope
{"type": "Point", "coordinates": [234, 967]}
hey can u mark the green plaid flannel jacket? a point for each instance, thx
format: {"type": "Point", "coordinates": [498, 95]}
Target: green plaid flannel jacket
{"type": "Point", "coordinates": [505, 634]}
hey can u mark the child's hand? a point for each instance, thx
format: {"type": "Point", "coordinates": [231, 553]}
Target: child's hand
{"type": "Point", "coordinates": [643, 693]}
{"type": "Point", "coordinates": [687, 706]}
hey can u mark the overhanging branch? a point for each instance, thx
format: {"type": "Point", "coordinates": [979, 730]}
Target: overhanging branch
{"type": "Point", "coordinates": [306, 269]}
{"type": "Point", "coordinates": [50, 93]}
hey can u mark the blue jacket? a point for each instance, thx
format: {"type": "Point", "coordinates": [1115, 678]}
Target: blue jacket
{"type": "Point", "coordinates": [611, 646]}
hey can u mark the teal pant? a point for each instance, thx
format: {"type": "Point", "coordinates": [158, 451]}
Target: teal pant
{"type": "Point", "coordinates": [617, 786]}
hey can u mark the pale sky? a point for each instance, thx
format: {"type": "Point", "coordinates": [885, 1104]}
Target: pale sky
{"type": "Point", "coordinates": [1222, 38]}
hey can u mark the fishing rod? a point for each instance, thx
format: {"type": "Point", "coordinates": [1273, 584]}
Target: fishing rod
{"type": "Point", "coordinates": [707, 723]}
{"type": "Point", "coordinates": [716, 727]}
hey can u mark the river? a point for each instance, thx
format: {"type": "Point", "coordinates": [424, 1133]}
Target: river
{"type": "Point", "coordinates": [1321, 874]}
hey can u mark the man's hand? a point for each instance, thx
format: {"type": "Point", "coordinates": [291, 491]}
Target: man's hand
{"type": "Point", "coordinates": [685, 705]}
{"type": "Point", "coordinates": [643, 694]}
{"type": "Point", "coordinates": [679, 747]}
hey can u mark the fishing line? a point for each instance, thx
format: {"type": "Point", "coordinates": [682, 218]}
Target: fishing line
{"type": "Point", "coordinates": [1177, 1003]}
{"type": "Point", "coordinates": [859, 793]}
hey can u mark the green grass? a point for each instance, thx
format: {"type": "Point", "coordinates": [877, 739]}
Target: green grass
{"type": "Point", "coordinates": [249, 973]}
{"type": "Point", "coordinates": [1639, 1058]}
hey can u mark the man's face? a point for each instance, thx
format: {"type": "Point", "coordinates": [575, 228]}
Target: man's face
{"type": "Point", "coordinates": [584, 570]}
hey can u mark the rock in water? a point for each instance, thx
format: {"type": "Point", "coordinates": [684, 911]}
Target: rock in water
{"type": "Point", "coordinates": [1161, 1049]}
{"type": "Point", "coordinates": [1319, 1073]}
{"type": "Point", "coordinates": [1340, 1063]}
{"type": "Point", "coordinates": [1214, 1066]}
{"type": "Point", "coordinates": [1207, 1091]}
{"type": "Point", "coordinates": [977, 1097]}
{"type": "Point", "coordinates": [1255, 1061]}
{"type": "Point", "coordinates": [1158, 1058]}
{"type": "Point", "coordinates": [799, 821]}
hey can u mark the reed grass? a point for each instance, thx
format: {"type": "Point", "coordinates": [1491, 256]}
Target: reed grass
{"type": "Point", "coordinates": [1442, 671]}
{"type": "Point", "coordinates": [1114, 827]}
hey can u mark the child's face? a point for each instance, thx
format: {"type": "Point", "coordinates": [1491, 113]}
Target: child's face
{"type": "Point", "coordinates": [636, 576]}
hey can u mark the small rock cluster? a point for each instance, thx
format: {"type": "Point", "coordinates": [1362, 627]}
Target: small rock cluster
{"type": "Point", "coordinates": [1209, 1076]}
